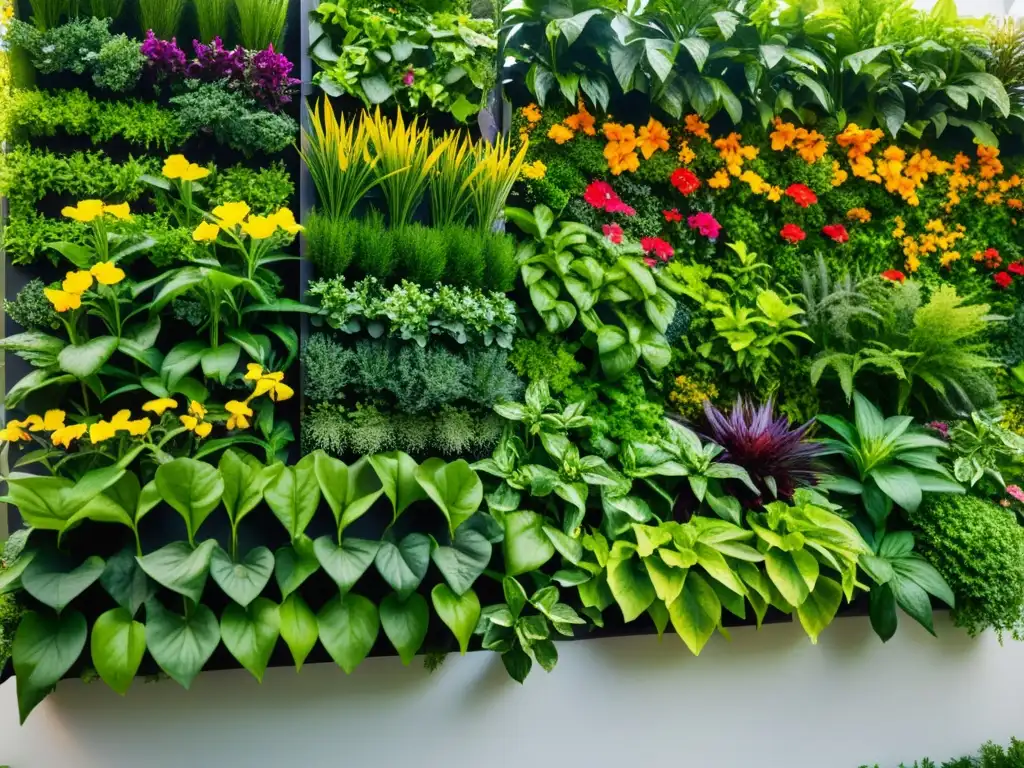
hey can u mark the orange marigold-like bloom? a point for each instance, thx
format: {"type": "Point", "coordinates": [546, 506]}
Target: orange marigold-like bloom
{"type": "Point", "coordinates": [859, 214]}
{"type": "Point", "coordinates": [783, 136]}
{"type": "Point", "coordinates": [652, 138]}
{"type": "Point", "coordinates": [560, 134]}
{"type": "Point", "coordinates": [686, 155]}
{"type": "Point", "coordinates": [582, 121]}
{"type": "Point", "coordinates": [697, 127]}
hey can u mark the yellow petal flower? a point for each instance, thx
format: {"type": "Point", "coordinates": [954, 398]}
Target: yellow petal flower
{"type": "Point", "coordinates": [189, 422]}
{"type": "Point", "coordinates": [160, 405]}
{"type": "Point", "coordinates": [196, 409]}
{"type": "Point", "coordinates": [281, 392]}
{"type": "Point", "coordinates": [194, 172]}
{"type": "Point", "coordinates": [13, 432]}
{"type": "Point", "coordinates": [119, 211]}
{"type": "Point", "coordinates": [253, 372]}
{"type": "Point", "coordinates": [121, 419]}
{"type": "Point", "coordinates": [205, 232]}
{"type": "Point", "coordinates": [203, 429]}
{"type": "Point", "coordinates": [53, 420]}
{"type": "Point", "coordinates": [263, 386]}
{"type": "Point", "coordinates": [77, 282]}
{"type": "Point", "coordinates": [32, 423]}
{"type": "Point", "coordinates": [285, 219]}
{"type": "Point", "coordinates": [66, 435]}
{"type": "Point", "coordinates": [239, 411]}
{"type": "Point", "coordinates": [85, 211]}
{"type": "Point", "coordinates": [100, 431]}
{"type": "Point", "coordinates": [138, 427]}
{"type": "Point", "coordinates": [62, 300]}
{"type": "Point", "coordinates": [105, 272]}
{"type": "Point", "coordinates": [259, 227]}
{"type": "Point", "coordinates": [174, 166]}
{"type": "Point", "coordinates": [231, 214]}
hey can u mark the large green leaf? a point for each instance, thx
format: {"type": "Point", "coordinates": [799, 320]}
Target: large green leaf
{"type": "Point", "coordinates": [298, 627]}
{"type": "Point", "coordinates": [181, 361]}
{"type": "Point", "coordinates": [250, 634]}
{"type": "Point", "coordinates": [350, 492]}
{"type": "Point", "coordinates": [295, 563]}
{"type": "Point", "coordinates": [84, 360]}
{"type": "Point", "coordinates": [463, 562]}
{"type": "Point", "coordinates": [244, 481]}
{"type": "Point", "coordinates": [294, 495]}
{"type": "Point", "coordinates": [899, 484]}
{"type": "Point", "coordinates": [126, 582]}
{"type": "Point", "coordinates": [818, 610]}
{"type": "Point", "coordinates": [55, 582]}
{"type": "Point", "coordinates": [181, 645]}
{"type": "Point", "coordinates": [405, 623]}
{"type": "Point", "coordinates": [348, 628]}
{"type": "Point", "coordinates": [403, 565]}
{"type": "Point", "coordinates": [180, 567]}
{"type": "Point", "coordinates": [696, 613]}
{"type": "Point", "coordinates": [526, 547]}
{"type": "Point", "coordinates": [785, 575]}
{"type": "Point", "coordinates": [883, 611]}
{"type": "Point", "coordinates": [117, 645]}
{"type": "Point", "coordinates": [397, 473]}
{"type": "Point", "coordinates": [346, 563]}
{"type": "Point", "coordinates": [44, 649]}
{"type": "Point", "coordinates": [219, 362]}
{"type": "Point", "coordinates": [242, 581]}
{"type": "Point", "coordinates": [631, 586]}
{"type": "Point", "coordinates": [460, 613]}
{"type": "Point", "coordinates": [193, 488]}
{"type": "Point", "coordinates": [454, 487]}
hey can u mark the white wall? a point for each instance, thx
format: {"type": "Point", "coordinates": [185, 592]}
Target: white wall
{"type": "Point", "coordinates": [767, 699]}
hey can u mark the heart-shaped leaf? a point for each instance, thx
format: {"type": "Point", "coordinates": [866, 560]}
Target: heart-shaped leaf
{"type": "Point", "coordinates": [526, 548]}
{"type": "Point", "coordinates": [250, 634]}
{"type": "Point", "coordinates": [397, 473]}
{"type": "Point", "coordinates": [454, 487]}
{"type": "Point", "coordinates": [405, 623]}
{"type": "Point", "coordinates": [83, 360]}
{"type": "Point", "coordinates": [53, 582]}
{"type": "Point", "coordinates": [294, 495]}
{"type": "Point", "coordinates": [193, 488]}
{"type": "Point", "coordinates": [345, 563]}
{"type": "Point", "coordinates": [460, 613]}
{"type": "Point", "coordinates": [348, 629]}
{"type": "Point", "coordinates": [179, 567]}
{"type": "Point", "coordinates": [45, 646]}
{"type": "Point", "coordinates": [181, 645]}
{"type": "Point", "coordinates": [126, 582]}
{"type": "Point", "coordinates": [294, 564]}
{"type": "Point", "coordinates": [404, 565]}
{"type": "Point", "coordinates": [244, 481]}
{"type": "Point", "coordinates": [299, 629]}
{"type": "Point", "coordinates": [219, 362]}
{"type": "Point", "coordinates": [117, 645]}
{"type": "Point", "coordinates": [350, 492]}
{"type": "Point", "coordinates": [463, 562]}
{"type": "Point", "coordinates": [242, 581]}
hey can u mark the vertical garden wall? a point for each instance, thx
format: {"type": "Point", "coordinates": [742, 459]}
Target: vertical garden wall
{"type": "Point", "coordinates": [663, 317]}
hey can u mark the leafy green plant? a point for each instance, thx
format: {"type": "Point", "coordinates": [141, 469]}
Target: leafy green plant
{"type": "Point", "coordinates": [118, 66]}
{"type": "Point", "coordinates": [982, 450]}
{"type": "Point", "coordinates": [213, 17]}
{"type": "Point", "coordinates": [31, 309]}
{"type": "Point", "coordinates": [47, 14]}
{"type": "Point", "coordinates": [266, 190]}
{"type": "Point", "coordinates": [106, 9]}
{"type": "Point", "coordinates": [261, 22]}
{"type": "Point", "coordinates": [161, 16]}
{"type": "Point", "coordinates": [232, 119]}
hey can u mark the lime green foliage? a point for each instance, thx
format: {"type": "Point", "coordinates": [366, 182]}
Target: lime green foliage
{"type": "Point", "coordinates": [31, 309]}
{"type": "Point", "coordinates": [233, 119]}
{"type": "Point", "coordinates": [620, 411]}
{"type": "Point", "coordinates": [119, 64]}
{"type": "Point", "coordinates": [261, 22]}
{"type": "Point", "coordinates": [546, 357]}
{"type": "Point", "coordinates": [991, 755]}
{"type": "Point", "coordinates": [45, 113]}
{"type": "Point", "coordinates": [106, 9]}
{"type": "Point", "coordinates": [10, 616]}
{"type": "Point", "coordinates": [213, 17]}
{"type": "Point", "coordinates": [978, 547]}
{"type": "Point", "coordinates": [161, 16]}
{"type": "Point", "coordinates": [265, 190]}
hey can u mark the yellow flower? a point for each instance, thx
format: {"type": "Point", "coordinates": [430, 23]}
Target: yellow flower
{"type": "Point", "coordinates": [32, 423]}
{"type": "Point", "coordinates": [138, 427]}
{"type": "Point", "coordinates": [160, 405]}
{"type": "Point", "coordinates": [531, 113]}
{"type": "Point", "coordinates": [838, 174]}
{"type": "Point", "coordinates": [859, 214]}
{"type": "Point", "coordinates": [720, 180]}
{"type": "Point", "coordinates": [174, 166]}
{"type": "Point", "coordinates": [652, 137]}
{"type": "Point", "coordinates": [119, 211]}
{"type": "Point", "coordinates": [62, 300]}
{"type": "Point", "coordinates": [686, 155]}
{"type": "Point", "coordinates": [105, 272]}
{"type": "Point", "coordinates": [239, 412]}
{"type": "Point", "coordinates": [560, 134]}
{"type": "Point", "coordinates": [192, 424]}
{"type": "Point", "coordinates": [259, 227]}
{"type": "Point", "coordinates": [77, 282]}
{"type": "Point", "coordinates": [231, 214]}
{"type": "Point", "coordinates": [121, 419]}
{"type": "Point", "coordinates": [535, 170]}
{"type": "Point", "coordinates": [85, 211]}
{"type": "Point", "coordinates": [194, 172]}
{"type": "Point", "coordinates": [100, 431]}
{"type": "Point", "coordinates": [205, 232]}
{"type": "Point", "coordinates": [253, 372]}
{"type": "Point", "coordinates": [272, 383]}
{"type": "Point", "coordinates": [774, 194]}
{"type": "Point", "coordinates": [13, 432]}
{"type": "Point", "coordinates": [50, 421]}
{"type": "Point", "coordinates": [285, 219]}
{"type": "Point", "coordinates": [783, 136]}
{"type": "Point", "coordinates": [947, 259]}
{"type": "Point", "coordinates": [196, 409]}
{"type": "Point", "coordinates": [912, 263]}
{"type": "Point", "coordinates": [66, 435]}
{"type": "Point", "coordinates": [203, 429]}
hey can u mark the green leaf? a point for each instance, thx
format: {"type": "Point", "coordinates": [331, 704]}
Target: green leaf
{"type": "Point", "coordinates": [405, 623]}
{"type": "Point", "coordinates": [350, 492]}
{"type": "Point", "coordinates": [126, 582]}
{"type": "Point", "coordinates": [193, 488]}
{"type": "Point", "coordinates": [454, 487]}
{"type": "Point", "coordinates": [44, 649]}
{"type": "Point", "coordinates": [242, 581]}
{"type": "Point", "coordinates": [899, 484]}
{"type": "Point", "coordinates": [526, 548]}
{"type": "Point", "coordinates": [912, 598]}
{"type": "Point", "coordinates": [397, 473]}
{"type": "Point", "coordinates": [181, 361]}
{"type": "Point", "coordinates": [376, 89]}
{"type": "Point", "coordinates": [181, 645]}
{"type": "Point", "coordinates": [924, 574]}
{"type": "Point", "coordinates": [696, 613]}
{"type": "Point", "coordinates": [298, 627]}
{"type": "Point", "coordinates": [348, 628]}
{"type": "Point", "coordinates": [818, 610]}
{"type": "Point", "coordinates": [515, 595]}
{"type": "Point", "coordinates": [250, 634]}
{"type": "Point", "coordinates": [462, 563]}
{"type": "Point", "coordinates": [117, 645]}
{"type": "Point", "coordinates": [991, 87]}
{"type": "Point", "coordinates": [460, 613]}
{"type": "Point", "coordinates": [631, 586]}
{"type": "Point", "coordinates": [517, 663]}
{"type": "Point", "coordinates": [786, 576]}
{"type": "Point", "coordinates": [244, 481]}
{"type": "Point", "coordinates": [180, 568]}
{"type": "Point", "coordinates": [883, 611]}
{"type": "Point", "coordinates": [219, 362]}
{"type": "Point", "coordinates": [53, 582]}
{"type": "Point", "coordinates": [294, 495]}
{"type": "Point", "coordinates": [404, 565]}
{"type": "Point", "coordinates": [345, 564]}
{"type": "Point", "coordinates": [33, 381]}
{"type": "Point", "coordinates": [295, 563]}
{"type": "Point", "coordinates": [84, 360]}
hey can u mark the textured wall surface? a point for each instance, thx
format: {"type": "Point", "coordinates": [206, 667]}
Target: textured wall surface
{"type": "Point", "coordinates": [766, 699]}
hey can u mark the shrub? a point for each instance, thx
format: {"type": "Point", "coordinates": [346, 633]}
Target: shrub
{"type": "Point", "coordinates": [331, 243]}
{"type": "Point", "coordinates": [374, 247]}
{"type": "Point", "coordinates": [31, 309]}
{"type": "Point", "coordinates": [71, 47]}
{"type": "Point", "coordinates": [978, 547]}
{"type": "Point", "coordinates": [546, 357]}
{"type": "Point", "coordinates": [421, 253]}
{"type": "Point", "coordinates": [264, 189]}
{"type": "Point", "coordinates": [233, 120]}
{"type": "Point", "coordinates": [118, 65]}
{"type": "Point", "coordinates": [500, 259]}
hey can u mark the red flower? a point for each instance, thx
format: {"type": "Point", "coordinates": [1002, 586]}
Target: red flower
{"type": "Point", "coordinates": [801, 194]}
{"type": "Point", "coordinates": [673, 215]}
{"type": "Point", "coordinates": [613, 232]}
{"type": "Point", "coordinates": [658, 247]}
{"type": "Point", "coordinates": [1017, 268]}
{"type": "Point", "coordinates": [1003, 279]}
{"type": "Point", "coordinates": [706, 224]}
{"type": "Point", "coordinates": [992, 258]}
{"type": "Point", "coordinates": [894, 275]}
{"type": "Point", "coordinates": [601, 195]}
{"type": "Point", "coordinates": [685, 181]}
{"type": "Point", "coordinates": [791, 233]}
{"type": "Point", "coordinates": [837, 232]}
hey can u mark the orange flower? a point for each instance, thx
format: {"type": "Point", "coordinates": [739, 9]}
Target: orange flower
{"type": "Point", "coordinates": [783, 136]}
{"type": "Point", "coordinates": [859, 214]}
{"type": "Point", "coordinates": [531, 113]}
{"type": "Point", "coordinates": [686, 155]}
{"type": "Point", "coordinates": [838, 174]}
{"type": "Point", "coordinates": [811, 145]}
{"type": "Point", "coordinates": [560, 134]}
{"type": "Point", "coordinates": [720, 180]}
{"type": "Point", "coordinates": [582, 121]}
{"type": "Point", "coordinates": [652, 137]}
{"type": "Point", "coordinates": [988, 161]}
{"type": "Point", "coordinates": [697, 127]}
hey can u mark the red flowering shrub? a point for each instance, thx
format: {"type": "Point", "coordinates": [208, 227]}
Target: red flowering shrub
{"type": "Point", "coordinates": [673, 216]}
{"type": "Point", "coordinates": [792, 234]}
{"type": "Point", "coordinates": [658, 247]}
{"type": "Point", "coordinates": [802, 195]}
{"type": "Point", "coordinates": [601, 195]}
{"type": "Point", "coordinates": [894, 275]}
{"type": "Point", "coordinates": [1003, 279]}
{"type": "Point", "coordinates": [1016, 268]}
{"type": "Point", "coordinates": [836, 232]}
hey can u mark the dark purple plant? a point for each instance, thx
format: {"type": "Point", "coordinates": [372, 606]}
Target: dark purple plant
{"type": "Point", "coordinates": [215, 62]}
{"type": "Point", "coordinates": [776, 456]}
{"type": "Point", "coordinates": [165, 57]}
{"type": "Point", "coordinates": [269, 80]}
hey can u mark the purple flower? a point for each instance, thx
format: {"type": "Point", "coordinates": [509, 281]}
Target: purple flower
{"type": "Point", "coordinates": [269, 81]}
{"type": "Point", "coordinates": [165, 57]}
{"type": "Point", "coordinates": [941, 427]}
{"type": "Point", "coordinates": [775, 455]}
{"type": "Point", "coordinates": [214, 62]}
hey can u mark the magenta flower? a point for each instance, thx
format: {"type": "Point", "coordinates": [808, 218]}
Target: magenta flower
{"type": "Point", "coordinates": [1016, 492]}
{"type": "Point", "coordinates": [410, 77]}
{"type": "Point", "coordinates": [165, 57]}
{"type": "Point", "coordinates": [706, 224]}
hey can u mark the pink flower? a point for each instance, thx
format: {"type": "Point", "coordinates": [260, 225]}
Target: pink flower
{"type": "Point", "coordinates": [613, 232]}
{"type": "Point", "coordinates": [941, 427]}
{"type": "Point", "coordinates": [706, 224]}
{"type": "Point", "coordinates": [617, 206]}
{"type": "Point", "coordinates": [1016, 492]}
{"type": "Point", "coordinates": [601, 195]}
{"type": "Point", "coordinates": [410, 77]}
{"type": "Point", "coordinates": [658, 247]}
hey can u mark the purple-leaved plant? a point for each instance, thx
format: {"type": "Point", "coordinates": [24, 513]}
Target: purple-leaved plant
{"type": "Point", "coordinates": [165, 57]}
{"type": "Point", "coordinates": [269, 78]}
{"type": "Point", "coordinates": [776, 456]}
{"type": "Point", "coordinates": [215, 62]}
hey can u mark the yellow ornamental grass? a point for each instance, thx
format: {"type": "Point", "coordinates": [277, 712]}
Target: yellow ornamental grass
{"type": "Point", "coordinates": [498, 167]}
{"type": "Point", "coordinates": [449, 183]}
